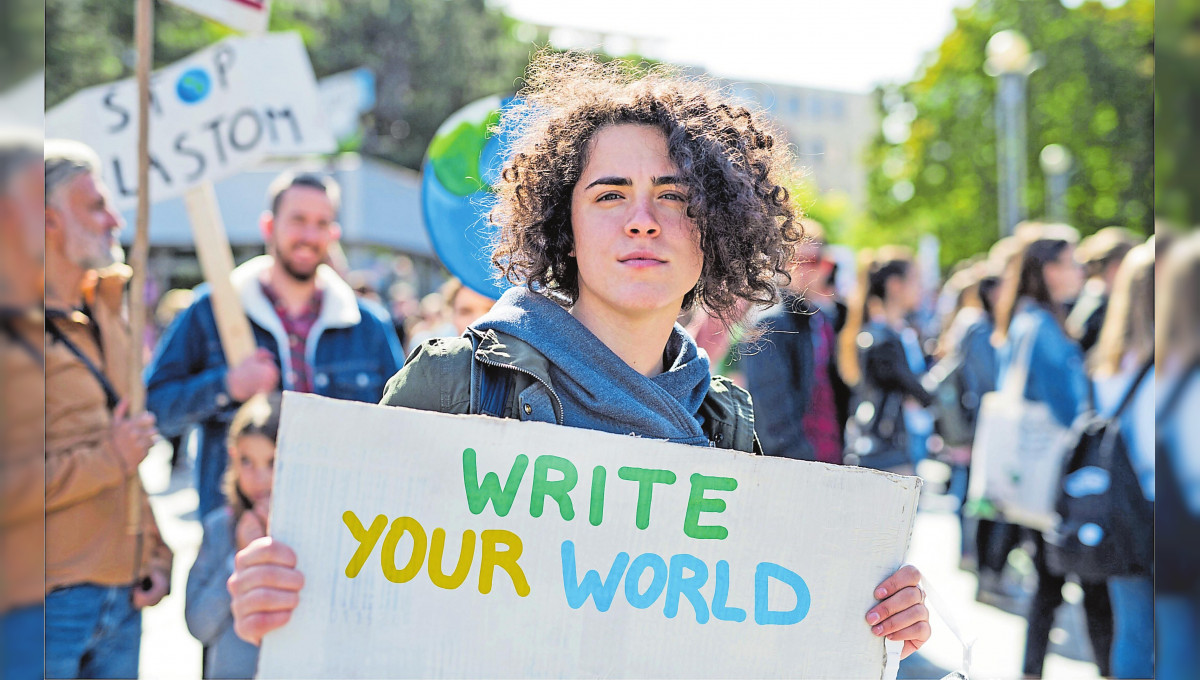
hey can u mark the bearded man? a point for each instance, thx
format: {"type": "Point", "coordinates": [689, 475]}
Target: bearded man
{"type": "Point", "coordinates": [313, 334]}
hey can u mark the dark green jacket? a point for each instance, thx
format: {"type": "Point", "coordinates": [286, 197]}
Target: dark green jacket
{"type": "Point", "coordinates": [444, 374]}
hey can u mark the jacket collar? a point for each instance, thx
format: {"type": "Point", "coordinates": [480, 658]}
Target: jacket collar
{"type": "Point", "coordinates": [501, 349]}
{"type": "Point", "coordinates": [339, 308]}
{"type": "Point", "coordinates": [727, 409]}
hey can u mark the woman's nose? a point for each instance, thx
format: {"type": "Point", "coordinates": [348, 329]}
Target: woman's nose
{"type": "Point", "coordinates": [642, 222]}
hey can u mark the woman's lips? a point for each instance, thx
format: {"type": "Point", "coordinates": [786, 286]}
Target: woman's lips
{"type": "Point", "coordinates": [642, 262]}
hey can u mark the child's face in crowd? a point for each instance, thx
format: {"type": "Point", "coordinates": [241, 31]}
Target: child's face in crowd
{"type": "Point", "coordinates": [254, 457]}
{"type": "Point", "coordinates": [636, 248]}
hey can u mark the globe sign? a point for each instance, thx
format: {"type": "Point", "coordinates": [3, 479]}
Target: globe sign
{"type": "Point", "coordinates": [193, 85]}
{"type": "Point", "coordinates": [461, 166]}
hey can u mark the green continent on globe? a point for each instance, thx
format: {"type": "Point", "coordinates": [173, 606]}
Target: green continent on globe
{"type": "Point", "coordinates": [455, 156]}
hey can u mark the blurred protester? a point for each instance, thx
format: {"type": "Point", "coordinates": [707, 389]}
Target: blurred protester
{"type": "Point", "coordinates": [1100, 254]}
{"type": "Point", "coordinates": [248, 482]}
{"type": "Point", "coordinates": [965, 372]}
{"type": "Point", "coordinates": [433, 321]}
{"type": "Point", "coordinates": [404, 307]}
{"type": "Point", "coordinates": [1125, 346]}
{"type": "Point", "coordinates": [313, 334]}
{"type": "Point", "coordinates": [99, 573]}
{"type": "Point", "coordinates": [717, 339]}
{"type": "Point", "coordinates": [608, 236]}
{"type": "Point", "coordinates": [169, 306]}
{"type": "Point", "coordinates": [800, 401]}
{"type": "Point", "coordinates": [22, 403]}
{"type": "Point", "coordinates": [873, 357]}
{"type": "Point", "coordinates": [1045, 276]}
{"type": "Point", "coordinates": [360, 282]}
{"type": "Point", "coordinates": [1177, 459]}
{"type": "Point", "coordinates": [464, 304]}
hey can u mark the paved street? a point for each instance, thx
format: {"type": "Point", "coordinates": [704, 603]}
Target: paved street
{"type": "Point", "coordinates": [169, 651]}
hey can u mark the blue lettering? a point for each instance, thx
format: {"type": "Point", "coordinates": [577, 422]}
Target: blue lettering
{"type": "Point", "coordinates": [602, 592]}
{"type": "Point", "coordinates": [763, 615]}
{"type": "Point", "coordinates": [689, 586]}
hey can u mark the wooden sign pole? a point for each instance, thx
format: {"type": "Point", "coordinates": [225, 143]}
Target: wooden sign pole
{"type": "Point", "coordinates": [216, 261]}
{"type": "Point", "coordinates": [144, 32]}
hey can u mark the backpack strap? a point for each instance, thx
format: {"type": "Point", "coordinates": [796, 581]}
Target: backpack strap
{"type": "Point", "coordinates": [8, 319]}
{"type": "Point", "coordinates": [1133, 388]}
{"type": "Point", "coordinates": [110, 393]}
{"type": "Point", "coordinates": [1172, 400]}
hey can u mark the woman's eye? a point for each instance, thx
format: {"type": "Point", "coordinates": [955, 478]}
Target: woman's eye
{"type": "Point", "coordinates": [674, 196]}
{"type": "Point", "coordinates": [608, 196]}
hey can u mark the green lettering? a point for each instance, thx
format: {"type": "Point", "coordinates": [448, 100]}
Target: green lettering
{"type": "Point", "coordinates": [479, 494]}
{"type": "Point", "coordinates": [597, 512]}
{"type": "Point", "coordinates": [697, 504]}
{"type": "Point", "coordinates": [646, 479]}
{"type": "Point", "coordinates": [557, 489]}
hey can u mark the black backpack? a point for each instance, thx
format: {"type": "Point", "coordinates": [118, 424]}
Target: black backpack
{"type": "Point", "coordinates": [1106, 524]}
{"type": "Point", "coordinates": [1177, 552]}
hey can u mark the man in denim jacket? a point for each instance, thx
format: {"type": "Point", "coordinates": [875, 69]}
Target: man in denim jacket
{"type": "Point", "coordinates": [313, 334]}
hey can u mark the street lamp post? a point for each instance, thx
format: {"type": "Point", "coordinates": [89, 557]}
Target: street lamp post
{"type": "Point", "coordinates": [1010, 61]}
{"type": "Point", "coordinates": [1055, 160]}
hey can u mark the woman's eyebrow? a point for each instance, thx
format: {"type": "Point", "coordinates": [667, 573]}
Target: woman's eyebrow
{"type": "Point", "coordinates": [625, 181]}
{"type": "Point", "coordinates": [611, 181]}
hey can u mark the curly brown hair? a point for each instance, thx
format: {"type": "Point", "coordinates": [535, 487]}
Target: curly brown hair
{"type": "Point", "coordinates": [728, 156]}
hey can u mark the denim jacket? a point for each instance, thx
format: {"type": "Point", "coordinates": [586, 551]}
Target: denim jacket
{"type": "Point", "coordinates": [1056, 374]}
{"type": "Point", "coordinates": [352, 350]}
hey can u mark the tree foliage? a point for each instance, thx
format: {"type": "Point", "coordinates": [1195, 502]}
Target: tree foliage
{"type": "Point", "coordinates": [1092, 94]}
{"type": "Point", "coordinates": [430, 57]}
{"type": "Point", "coordinates": [1176, 110]}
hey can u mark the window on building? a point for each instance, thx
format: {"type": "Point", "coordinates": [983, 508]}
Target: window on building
{"type": "Point", "coordinates": [837, 109]}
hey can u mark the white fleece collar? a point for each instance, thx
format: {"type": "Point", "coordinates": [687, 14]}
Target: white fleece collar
{"type": "Point", "coordinates": [339, 307]}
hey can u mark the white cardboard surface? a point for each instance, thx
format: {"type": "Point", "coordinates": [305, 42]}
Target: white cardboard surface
{"type": "Point", "coordinates": [839, 530]}
{"type": "Point", "coordinates": [211, 114]}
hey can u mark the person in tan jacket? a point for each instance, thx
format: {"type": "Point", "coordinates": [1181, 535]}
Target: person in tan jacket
{"type": "Point", "coordinates": [105, 558]}
{"type": "Point", "coordinates": [22, 429]}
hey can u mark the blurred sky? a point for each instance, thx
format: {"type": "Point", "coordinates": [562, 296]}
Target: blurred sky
{"type": "Point", "coordinates": [848, 45]}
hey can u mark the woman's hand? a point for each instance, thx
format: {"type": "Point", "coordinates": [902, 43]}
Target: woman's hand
{"type": "Point", "coordinates": [901, 614]}
{"type": "Point", "coordinates": [265, 586]}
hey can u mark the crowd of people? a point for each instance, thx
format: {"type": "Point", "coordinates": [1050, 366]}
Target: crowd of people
{"type": "Point", "coordinates": [663, 284]}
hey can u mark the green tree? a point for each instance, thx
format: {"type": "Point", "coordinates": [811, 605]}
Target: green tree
{"type": "Point", "coordinates": [1092, 94]}
{"type": "Point", "coordinates": [1176, 110]}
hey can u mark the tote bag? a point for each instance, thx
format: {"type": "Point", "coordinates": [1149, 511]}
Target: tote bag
{"type": "Point", "coordinates": [1017, 458]}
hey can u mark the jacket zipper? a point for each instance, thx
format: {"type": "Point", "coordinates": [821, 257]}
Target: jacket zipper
{"type": "Point", "coordinates": [557, 404]}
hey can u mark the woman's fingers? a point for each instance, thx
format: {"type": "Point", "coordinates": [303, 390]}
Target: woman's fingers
{"type": "Point", "coordinates": [901, 620]}
{"type": "Point", "coordinates": [905, 576]}
{"type": "Point", "coordinates": [914, 636]}
{"type": "Point", "coordinates": [906, 598]}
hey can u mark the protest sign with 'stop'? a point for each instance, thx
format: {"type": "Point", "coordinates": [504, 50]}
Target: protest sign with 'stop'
{"type": "Point", "coordinates": [211, 115]}
{"type": "Point", "coordinates": [465, 546]}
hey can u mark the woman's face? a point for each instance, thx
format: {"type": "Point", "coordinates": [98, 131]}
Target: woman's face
{"type": "Point", "coordinates": [906, 289]}
{"type": "Point", "coordinates": [1064, 276]}
{"type": "Point", "coordinates": [254, 457]}
{"type": "Point", "coordinates": [637, 251]}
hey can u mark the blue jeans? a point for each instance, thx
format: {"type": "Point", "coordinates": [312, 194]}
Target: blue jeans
{"type": "Point", "coordinates": [21, 648]}
{"type": "Point", "coordinates": [92, 632]}
{"type": "Point", "coordinates": [1177, 615]}
{"type": "Point", "coordinates": [1133, 626]}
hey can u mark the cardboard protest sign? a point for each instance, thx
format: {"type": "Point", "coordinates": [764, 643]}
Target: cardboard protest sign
{"type": "Point", "coordinates": [212, 114]}
{"type": "Point", "coordinates": [466, 546]}
{"type": "Point", "coordinates": [248, 16]}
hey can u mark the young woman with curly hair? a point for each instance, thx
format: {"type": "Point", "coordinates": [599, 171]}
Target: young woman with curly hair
{"type": "Point", "coordinates": [625, 201]}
